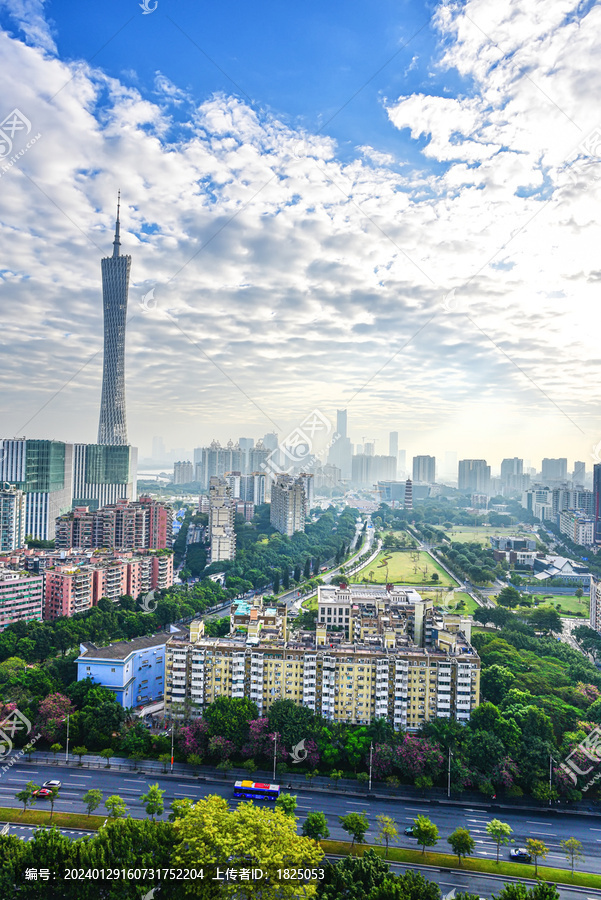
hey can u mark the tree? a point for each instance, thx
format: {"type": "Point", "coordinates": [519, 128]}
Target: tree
{"type": "Point", "coordinates": [52, 716]}
{"type": "Point", "coordinates": [307, 569]}
{"type": "Point", "coordinates": [26, 795]}
{"type": "Point", "coordinates": [425, 832]}
{"type": "Point", "coordinates": [509, 596]}
{"type": "Point", "coordinates": [573, 850]}
{"type": "Point", "coordinates": [498, 832]}
{"type": "Point", "coordinates": [537, 850]}
{"type": "Point", "coordinates": [80, 751]}
{"type": "Point", "coordinates": [287, 803]}
{"type": "Point", "coordinates": [409, 886]}
{"type": "Point", "coordinates": [276, 582]}
{"type": "Point", "coordinates": [165, 758]}
{"type": "Point", "coordinates": [547, 620]}
{"type": "Point", "coordinates": [363, 777]}
{"type": "Point", "coordinates": [92, 800]}
{"type": "Point", "coordinates": [387, 831]}
{"type": "Point", "coordinates": [211, 832]}
{"type": "Point", "coordinates": [228, 717]}
{"type": "Point", "coordinates": [336, 775]}
{"type": "Point", "coordinates": [52, 797]}
{"type": "Point", "coordinates": [56, 748]}
{"type": "Point", "coordinates": [461, 842]}
{"type": "Point", "coordinates": [495, 682]}
{"type": "Point", "coordinates": [115, 806]}
{"type": "Point", "coordinates": [107, 754]}
{"type": "Point", "coordinates": [286, 578]}
{"type": "Point", "coordinates": [153, 801]}
{"type": "Point", "coordinates": [356, 825]}
{"type": "Point", "coordinates": [315, 826]}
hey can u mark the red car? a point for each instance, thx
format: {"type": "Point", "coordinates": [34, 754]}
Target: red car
{"type": "Point", "coordinates": [47, 789]}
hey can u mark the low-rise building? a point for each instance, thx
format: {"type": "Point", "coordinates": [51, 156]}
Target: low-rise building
{"type": "Point", "coordinates": [384, 652]}
{"type": "Point", "coordinates": [564, 571]}
{"type": "Point", "coordinates": [133, 670]}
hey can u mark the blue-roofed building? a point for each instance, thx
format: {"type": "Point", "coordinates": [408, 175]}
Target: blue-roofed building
{"type": "Point", "coordinates": [133, 670]}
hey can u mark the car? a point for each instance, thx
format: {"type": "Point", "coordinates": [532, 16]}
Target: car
{"type": "Point", "coordinates": [47, 789]}
{"type": "Point", "coordinates": [520, 854]}
{"type": "Point", "coordinates": [409, 830]}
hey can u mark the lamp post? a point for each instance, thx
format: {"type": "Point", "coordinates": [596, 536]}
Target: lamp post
{"type": "Point", "coordinates": [275, 750]}
{"type": "Point", "coordinates": [67, 747]}
{"type": "Point", "coordinates": [550, 777]}
{"type": "Point", "coordinates": [449, 775]}
{"type": "Point", "coordinates": [371, 757]}
{"type": "Point", "coordinates": [172, 736]}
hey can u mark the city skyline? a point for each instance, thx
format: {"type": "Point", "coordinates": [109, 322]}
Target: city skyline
{"type": "Point", "coordinates": [409, 279]}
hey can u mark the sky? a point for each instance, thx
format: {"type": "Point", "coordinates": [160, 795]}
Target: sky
{"type": "Point", "coordinates": [391, 208]}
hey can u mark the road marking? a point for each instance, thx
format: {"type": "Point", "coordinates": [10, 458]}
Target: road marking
{"type": "Point", "coordinates": [545, 833]}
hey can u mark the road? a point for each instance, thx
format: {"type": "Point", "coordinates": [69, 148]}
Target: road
{"type": "Point", "coordinates": [550, 826]}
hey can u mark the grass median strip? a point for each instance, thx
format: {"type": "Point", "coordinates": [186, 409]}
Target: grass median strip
{"type": "Point", "coordinates": [42, 817]}
{"type": "Point", "coordinates": [488, 866]}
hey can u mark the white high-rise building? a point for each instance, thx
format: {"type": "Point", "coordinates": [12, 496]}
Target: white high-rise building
{"type": "Point", "coordinates": [288, 504]}
{"type": "Point", "coordinates": [183, 472]}
{"type": "Point", "coordinates": [104, 474]}
{"type": "Point", "coordinates": [222, 515]}
{"type": "Point", "coordinates": [12, 518]}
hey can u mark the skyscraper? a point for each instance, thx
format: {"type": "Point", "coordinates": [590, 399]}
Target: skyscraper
{"type": "Point", "coordinates": [341, 422]}
{"type": "Point", "coordinates": [474, 475]}
{"type": "Point", "coordinates": [597, 501]}
{"type": "Point", "coordinates": [424, 469]}
{"type": "Point", "coordinates": [112, 428]}
{"type": "Point", "coordinates": [393, 443]}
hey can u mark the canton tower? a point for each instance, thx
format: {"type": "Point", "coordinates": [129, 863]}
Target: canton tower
{"type": "Point", "coordinates": [112, 428]}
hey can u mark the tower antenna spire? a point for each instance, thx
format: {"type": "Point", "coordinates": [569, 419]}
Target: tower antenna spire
{"type": "Point", "coordinates": [117, 242]}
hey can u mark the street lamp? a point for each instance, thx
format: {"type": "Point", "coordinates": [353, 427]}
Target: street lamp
{"type": "Point", "coordinates": [449, 775]}
{"type": "Point", "coordinates": [371, 756]}
{"type": "Point", "coordinates": [275, 748]}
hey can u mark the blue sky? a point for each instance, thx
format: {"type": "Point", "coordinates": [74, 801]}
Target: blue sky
{"type": "Point", "coordinates": [425, 252]}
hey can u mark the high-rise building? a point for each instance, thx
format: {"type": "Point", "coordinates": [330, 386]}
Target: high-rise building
{"type": "Point", "coordinates": [424, 469]}
{"type": "Point", "coordinates": [43, 470]}
{"type": "Point", "coordinates": [369, 448]}
{"type": "Point", "coordinates": [513, 466]}
{"type": "Point", "coordinates": [12, 518]}
{"type": "Point", "coordinates": [112, 428]}
{"type": "Point", "coordinates": [402, 463]}
{"type": "Point", "coordinates": [554, 469]}
{"type": "Point", "coordinates": [393, 444]}
{"type": "Point", "coordinates": [183, 472]}
{"type": "Point", "coordinates": [474, 476]}
{"type": "Point", "coordinates": [450, 463]}
{"type": "Point", "coordinates": [246, 445]}
{"type": "Point", "coordinates": [597, 501]}
{"type": "Point", "coordinates": [341, 423]}
{"type": "Point", "coordinates": [308, 481]}
{"type": "Point", "coordinates": [579, 473]}
{"type": "Point", "coordinates": [103, 474]}
{"type": "Point", "coordinates": [408, 503]}
{"type": "Point", "coordinates": [288, 504]}
{"type": "Point", "coordinates": [144, 524]}
{"type": "Point", "coordinates": [215, 461]}
{"type": "Point", "coordinates": [222, 515]}
{"type": "Point", "coordinates": [159, 452]}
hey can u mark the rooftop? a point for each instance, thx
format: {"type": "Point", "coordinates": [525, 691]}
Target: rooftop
{"type": "Point", "coordinates": [122, 649]}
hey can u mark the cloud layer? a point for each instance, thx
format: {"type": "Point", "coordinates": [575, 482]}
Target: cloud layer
{"type": "Point", "coordinates": [286, 279]}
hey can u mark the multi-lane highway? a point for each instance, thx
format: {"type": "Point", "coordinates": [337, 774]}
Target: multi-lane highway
{"type": "Point", "coordinates": [550, 827]}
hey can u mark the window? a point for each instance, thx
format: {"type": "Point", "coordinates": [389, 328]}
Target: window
{"type": "Point", "coordinates": [113, 669]}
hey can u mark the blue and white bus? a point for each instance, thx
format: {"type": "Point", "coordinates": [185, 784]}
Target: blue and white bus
{"type": "Point", "coordinates": [255, 790]}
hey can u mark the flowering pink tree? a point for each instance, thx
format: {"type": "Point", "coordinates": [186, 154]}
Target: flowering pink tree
{"type": "Point", "coordinates": [590, 691]}
{"type": "Point", "coordinates": [194, 738]}
{"type": "Point", "coordinates": [417, 756]}
{"type": "Point", "coordinates": [259, 743]}
{"type": "Point", "coordinates": [52, 716]}
{"type": "Point", "coordinates": [382, 761]}
{"type": "Point", "coordinates": [505, 773]}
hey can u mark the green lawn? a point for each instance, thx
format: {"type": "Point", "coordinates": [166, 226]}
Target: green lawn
{"type": "Point", "coordinates": [481, 535]}
{"type": "Point", "coordinates": [570, 605]}
{"type": "Point", "coordinates": [398, 567]}
{"type": "Point", "coordinates": [446, 861]}
{"type": "Point", "coordinates": [42, 817]}
{"type": "Point", "coordinates": [467, 609]}
{"type": "Point", "coordinates": [310, 604]}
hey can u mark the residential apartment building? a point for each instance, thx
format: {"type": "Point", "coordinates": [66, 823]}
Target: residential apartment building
{"type": "Point", "coordinates": [595, 608]}
{"type": "Point", "coordinates": [143, 524]}
{"type": "Point", "coordinates": [424, 469]}
{"type": "Point", "coordinates": [380, 671]}
{"type": "Point", "coordinates": [473, 476]}
{"type": "Point", "coordinates": [222, 515]}
{"type": "Point", "coordinates": [216, 461]}
{"type": "Point", "coordinates": [43, 471]}
{"type": "Point", "coordinates": [554, 469]}
{"type": "Point", "coordinates": [71, 587]}
{"type": "Point", "coordinates": [288, 505]}
{"type": "Point", "coordinates": [21, 597]}
{"type": "Point", "coordinates": [12, 518]}
{"type": "Point", "coordinates": [133, 670]}
{"type": "Point", "coordinates": [183, 472]}
{"type": "Point", "coordinates": [578, 527]}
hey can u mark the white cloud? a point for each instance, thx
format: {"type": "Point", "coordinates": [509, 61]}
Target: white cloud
{"type": "Point", "coordinates": [299, 276]}
{"type": "Point", "coordinates": [29, 16]}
